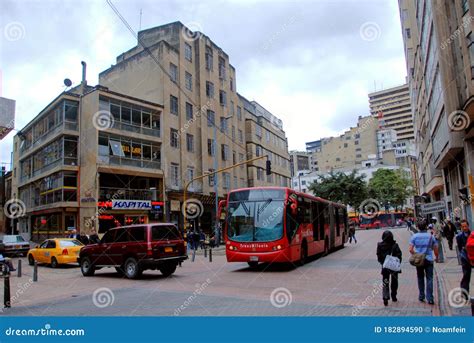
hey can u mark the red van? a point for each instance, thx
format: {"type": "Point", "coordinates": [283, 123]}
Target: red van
{"type": "Point", "coordinates": [135, 248]}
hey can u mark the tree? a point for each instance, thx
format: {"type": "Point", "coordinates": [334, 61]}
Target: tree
{"type": "Point", "coordinates": [390, 187]}
{"type": "Point", "coordinates": [348, 189]}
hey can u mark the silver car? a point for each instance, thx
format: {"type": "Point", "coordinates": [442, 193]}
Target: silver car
{"type": "Point", "coordinates": [15, 245]}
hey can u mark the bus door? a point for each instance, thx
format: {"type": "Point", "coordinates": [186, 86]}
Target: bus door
{"type": "Point", "coordinates": [332, 227]}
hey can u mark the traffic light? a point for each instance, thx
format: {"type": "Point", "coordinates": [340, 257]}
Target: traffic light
{"type": "Point", "coordinates": [268, 167]}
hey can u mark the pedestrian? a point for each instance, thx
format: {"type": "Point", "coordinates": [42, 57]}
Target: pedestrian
{"type": "Point", "coordinates": [8, 262]}
{"type": "Point", "coordinates": [449, 232]}
{"type": "Point", "coordinates": [388, 246]}
{"type": "Point", "coordinates": [425, 243]}
{"type": "Point", "coordinates": [352, 232]}
{"type": "Point", "coordinates": [196, 239]}
{"type": "Point", "coordinates": [202, 239]}
{"type": "Point", "coordinates": [93, 237]}
{"type": "Point", "coordinates": [438, 234]}
{"type": "Point", "coordinates": [461, 240]}
{"type": "Point", "coordinates": [409, 224]}
{"type": "Point", "coordinates": [457, 224]}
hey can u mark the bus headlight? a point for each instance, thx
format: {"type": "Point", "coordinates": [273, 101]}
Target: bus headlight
{"type": "Point", "coordinates": [277, 247]}
{"type": "Point", "coordinates": [231, 247]}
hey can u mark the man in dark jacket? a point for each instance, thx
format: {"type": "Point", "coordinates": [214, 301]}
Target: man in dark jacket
{"type": "Point", "coordinates": [461, 240]}
{"type": "Point", "coordinates": [449, 232]}
{"type": "Point", "coordinates": [388, 246]}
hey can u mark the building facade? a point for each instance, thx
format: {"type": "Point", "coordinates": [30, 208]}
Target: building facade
{"type": "Point", "coordinates": [299, 162]}
{"type": "Point", "coordinates": [439, 47]}
{"type": "Point", "coordinates": [393, 108]}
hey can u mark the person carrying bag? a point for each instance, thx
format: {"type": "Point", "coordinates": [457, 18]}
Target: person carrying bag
{"type": "Point", "coordinates": [389, 256]}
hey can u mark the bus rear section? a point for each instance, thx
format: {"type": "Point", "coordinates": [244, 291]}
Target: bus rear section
{"type": "Point", "coordinates": [277, 225]}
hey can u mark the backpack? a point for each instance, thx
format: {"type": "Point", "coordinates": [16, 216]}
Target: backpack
{"type": "Point", "coordinates": [470, 248]}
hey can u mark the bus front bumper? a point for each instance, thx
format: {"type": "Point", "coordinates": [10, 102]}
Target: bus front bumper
{"type": "Point", "coordinates": [280, 256]}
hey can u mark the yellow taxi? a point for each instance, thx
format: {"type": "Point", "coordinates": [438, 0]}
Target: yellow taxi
{"type": "Point", "coordinates": [55, 251]}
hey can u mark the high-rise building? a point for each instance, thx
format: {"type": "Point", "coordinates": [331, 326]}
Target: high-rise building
{"type": "Point", "coordinates": [392, 107]}
{"type": "Point", "coordinates": [439, 47]}
{"type": "Point", "coordinates": [299, 162]}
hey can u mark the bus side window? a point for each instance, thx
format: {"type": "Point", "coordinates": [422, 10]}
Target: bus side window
{"type": "Point", "coordinates": [336, 216]}
{"type": "Point", "coordinates": [315, 220]}
{"type": "Point", "coordinates": [291, 224]}
{"type": "Point", "coordinates": [322, 220]}
{"type": "Point", "coordinates": [307, 211]}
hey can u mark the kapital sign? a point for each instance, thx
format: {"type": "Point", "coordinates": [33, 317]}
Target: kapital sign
{"type": "Point", "coordinates": [131, 204]}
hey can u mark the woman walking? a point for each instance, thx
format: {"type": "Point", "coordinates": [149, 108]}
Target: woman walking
{"type": "Point", "coordinates": [388, 246]}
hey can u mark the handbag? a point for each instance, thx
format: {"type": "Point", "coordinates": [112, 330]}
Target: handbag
{"type": "Point", "coordinates": [391, 262]}
{"type": "Point", "coordinates": [418, 259]}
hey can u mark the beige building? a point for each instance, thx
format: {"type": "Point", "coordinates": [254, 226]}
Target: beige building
{"type": "Point", "coordinates": [393, 108]}
{"type": "Point", "coordinates": [299, 162]}
{"type": "Point", "coordinates": [439, 51]}
{"type": "Point", "coordinates": [264, 135]}
{"type": "Point", "coordinates": [354, 149]}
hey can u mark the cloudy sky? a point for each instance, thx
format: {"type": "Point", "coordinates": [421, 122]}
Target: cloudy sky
{"type": "Point", "coordinates": [310, 62]}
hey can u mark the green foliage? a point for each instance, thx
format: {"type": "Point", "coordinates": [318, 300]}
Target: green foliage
{"type": "Point", "coordinates": [338, 187]}
{"type": "Point", "coordinates": [390, 187]}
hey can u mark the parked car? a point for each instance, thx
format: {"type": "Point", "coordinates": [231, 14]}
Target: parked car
{"type": "Point", "coordinates": [133, 249]}
{"type": "Point", "coordinates": [15, 245]}
{"type": "Point", "coordinates": [55, 251]}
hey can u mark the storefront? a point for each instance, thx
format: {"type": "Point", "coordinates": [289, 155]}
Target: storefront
{"type": "Point", "coordinates": [52, 223]}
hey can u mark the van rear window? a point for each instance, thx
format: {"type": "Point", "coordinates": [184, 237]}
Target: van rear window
{"type": "Point", "coordinates": [162, 232]}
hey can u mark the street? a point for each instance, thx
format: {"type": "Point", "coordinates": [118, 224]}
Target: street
{"type": "Point", "coordinates": [347, 282]}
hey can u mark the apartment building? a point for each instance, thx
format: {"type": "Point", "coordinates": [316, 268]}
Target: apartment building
{"type": "Point", "coordinates": [5, 196]}
{"type": "Point", "coordinates": [299, 162]}
{"type": "Point", "coordinates": [393, 108]}
{"type": "Point", "coordinates": [264, 135]}
{"type": "Point", "coordinates": [439, 47]}
{"type": "Point", "coordinates": [194, 80]}
{"type": "Point", "coordinates": [90, 159]}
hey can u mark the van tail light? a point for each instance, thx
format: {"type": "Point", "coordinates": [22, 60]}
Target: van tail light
{"type": "Point", "coordinates": [65, 252]}
{"type": "Point", "coordinates": [149, 251]}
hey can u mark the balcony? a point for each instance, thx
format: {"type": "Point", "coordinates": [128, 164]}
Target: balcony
{"type": "Point", "coordinates": [117, 125]}
{"type": "Point", "coordinates": [107, 193]}
{"type": "Point", "coordinates": [129, 162]}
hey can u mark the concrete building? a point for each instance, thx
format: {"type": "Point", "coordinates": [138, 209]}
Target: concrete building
{"type": "Point", "coordinates": [439, 47]}
{"type": "Point", "coordinates": [7, 116]}
{"type": "Point", "coordinates": [78, 167]}
{"type": "Point", "coordinates": [299, 162]}
{"type": "Point", "coordinates": [5, 196]}
{"type": "Point", "coordinates": [264, 135]}
{"type": "Point", "coordinates": [393, 108]}
{"type": "Point", "coordinates": [194, 80]}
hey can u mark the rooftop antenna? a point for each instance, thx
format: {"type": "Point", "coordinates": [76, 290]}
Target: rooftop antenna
{"type": "Point", "coordinates": [140, 25]}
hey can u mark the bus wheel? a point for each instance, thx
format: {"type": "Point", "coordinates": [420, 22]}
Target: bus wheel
{"type": "Point", "coordinates": [253, 264]}
{"type": "Point", "coordinates": [304, 254]}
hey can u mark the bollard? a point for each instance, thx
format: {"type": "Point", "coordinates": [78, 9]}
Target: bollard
{"type": "Point", "coordinates": [19, 268]}
{"type": "Point", "coordinates": [6, 292]}
{"type": "Point", "coordinates": [194, 254]}
{"type": "Point", "coordinates": [35, 272]}
{"type": "Point", "coordinates": [210, 255]}
{"type": "Point", "coordinates": [205, 252]}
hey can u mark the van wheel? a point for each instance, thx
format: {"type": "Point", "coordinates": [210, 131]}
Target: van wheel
{"type": "Point", "coordinates": [31, 260]}
{"type": "Point", "coordinates": [54, 262]}
{"type": "Point", "coordinates": [87, 268]}
{"type": "Point", "coordinates": [131, 268]}
{"type": "Point", "coordinates": [168, 269]}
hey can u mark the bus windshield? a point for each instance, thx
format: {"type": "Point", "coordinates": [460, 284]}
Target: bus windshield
{"type": "Point", "coordinates": [256, 217]}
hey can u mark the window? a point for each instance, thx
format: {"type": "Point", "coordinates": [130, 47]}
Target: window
{"type": "Point", "coordinates": [241, 159]}
{"type": "Point", "coordinates": [174, 172]}
{"type": "Point", "coordinates": [267, 135]}
{"type": "Point", "coordinates": [188, 82]}
{"type": "Point", "coordinates": [224, 152]}
{"type": "Point", "coordinates": [173, 105]}
{"type": "Point", "coordinates": [408, 33]}
{"type": "Point", "coordinates": [241, 136]}
{"type": "Point", "coordinates": [223, 98]}
{"type": "Point", "coordinates": [234, 158]}
{"type": "Point", "coordinates": [188, 52]}
{"type": "Point", "coordinates": [211, 147]}
{"type": "Point", "coordinates": [209, 58]}
{"type": "Point", "coordinates": [338, 159]}
{"type": "Point", "coordinates": [211, 118]}
{"type": "Point", "coordinates": [358, 156]}
{"type": "Point", "coordinates": [189, 111]}
{"type": "Point", "coordinates": [258, 151]}
{"type": "Point", "coordinates": [224, 127]}
{"type": "Point", "coordinates": [232, 111]}
{"type": "Point", "coordinates": [173, 72]}
{"type": "Point", "coordinates": [233, 133]}
{"type": "Point", "coordinates": [164, 232]}
{"type": "Point", "coordinates": [211, 178]}
{"type": "Point", "coordinates": [222, 68]}
{"type": "Point", "coordinates": [259, 174]}
{"type": "Point", "coordinates": [190, 142]}
{"type": "Point", "coordinates": [236, 182]}
{"type": "Point", "coordinates": [70, 111]}
{"type": "Point", "coordinates": [239, 113]}
{"type": "Point", "coordinates": [136, 234]}
{"type": "Point", "coordinates": [226, 180]}
{"type": "Point", "coordinates": [174, 142]}
{"type": "Point", "coordinates": [345, 145]}
{"type": "Point", "coordinates": [356, 142]}
{"type": "Point", "coordinates": [190, 173]}
{"type": "Point", "coordinates": [209, 89]}
{"type": "Point", "coordinates": [258, 131]}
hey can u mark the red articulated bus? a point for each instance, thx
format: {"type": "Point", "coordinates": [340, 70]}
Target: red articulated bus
{"type": "Point", "coordinates": [280, 225]}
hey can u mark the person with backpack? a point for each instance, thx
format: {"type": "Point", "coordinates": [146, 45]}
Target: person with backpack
{"type": "Point", "coordinates": [388, 246]}
{"type": "Point", "coordinates": [422, 246]}
{"type": "Point", "coordinates": [461, 240]}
